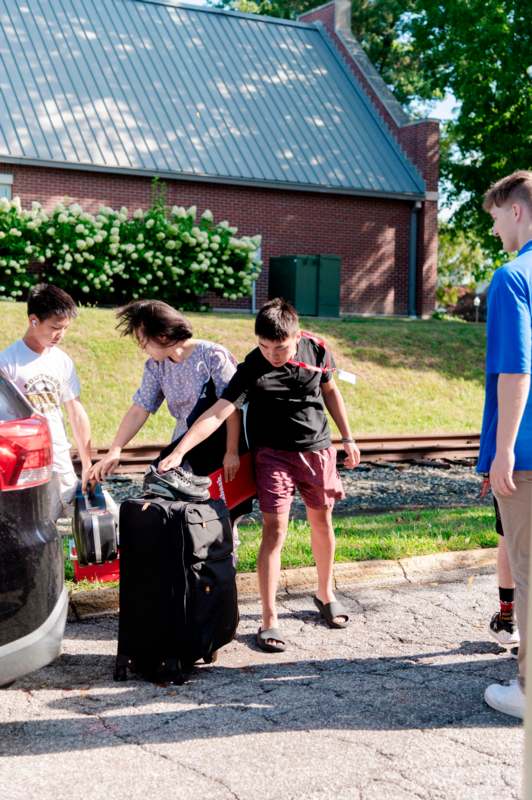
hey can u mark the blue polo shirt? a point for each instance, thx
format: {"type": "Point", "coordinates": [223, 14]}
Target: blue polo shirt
{"type": "Point", "coordinates": [509, 350]}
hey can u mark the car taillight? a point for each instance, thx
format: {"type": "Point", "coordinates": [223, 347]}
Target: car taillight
{"type": "Point", "coordinates": [25, 453]}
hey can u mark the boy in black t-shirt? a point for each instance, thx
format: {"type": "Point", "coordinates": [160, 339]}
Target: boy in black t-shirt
{"type": "Point", "coordinates": [286, 381]}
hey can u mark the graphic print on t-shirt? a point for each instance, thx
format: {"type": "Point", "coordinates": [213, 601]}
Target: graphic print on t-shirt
{"type": "Point", "coordinates": [43, 392]}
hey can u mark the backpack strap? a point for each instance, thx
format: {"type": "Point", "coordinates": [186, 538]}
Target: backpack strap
{"type": "Point", "coordinates": [313, 368]}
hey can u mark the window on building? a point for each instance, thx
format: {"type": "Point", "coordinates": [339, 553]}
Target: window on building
{"type": "Point", "coordinates": [6, 185]}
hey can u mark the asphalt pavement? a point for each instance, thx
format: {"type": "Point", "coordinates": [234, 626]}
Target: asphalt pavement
{"type": "Point", "coordinates": [389, 708]}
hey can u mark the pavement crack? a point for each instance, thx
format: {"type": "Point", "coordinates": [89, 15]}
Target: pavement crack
{"type": "Point", "coordinates": [410, 784]}
{"type": "Point", "coordinates": [30, 696]}
{"type": "Point", "coordinates": [452, 612]}
{"type": "Point", "coordinates": [363, 611]}
{"type": "Point", "coordinates": [194, 770]}
{"type": "Point", "coordinates": [389, 781]}
{"type": "Point", "coordinates": [405, 574]}
{"type": "Point", "coordinates": [498, 755]}
{"type": "Point", "coordinates": [128, 740]}
{"type": "Point", "coordinates": [390, 757]}
{"type": "Point", "coordinates": [515, 794]}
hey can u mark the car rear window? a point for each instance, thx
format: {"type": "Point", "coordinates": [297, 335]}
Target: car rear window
{"type": "Point", "coordinates": [12, 404]}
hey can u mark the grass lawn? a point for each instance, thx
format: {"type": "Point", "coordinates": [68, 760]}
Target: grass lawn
{"type": "Point", "coordinates": [414, 376]}
{"type": "Point", "coordinates": [374, 536]}
{"type": "Point", "coordinates": [382, 536]}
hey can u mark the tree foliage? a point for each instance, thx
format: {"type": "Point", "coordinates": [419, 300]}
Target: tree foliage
{"type": "Point", "coordinates": [481, 51]}
{"type": "Point", "coordinates": [462, 263]}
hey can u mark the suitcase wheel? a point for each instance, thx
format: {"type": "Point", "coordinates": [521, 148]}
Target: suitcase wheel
{"type": "Point", "coordinates": [120, 670]}
{"type": "Point", "coordinates": [212, 658]}
{"type": "Point", "coordinates": [169, 671]}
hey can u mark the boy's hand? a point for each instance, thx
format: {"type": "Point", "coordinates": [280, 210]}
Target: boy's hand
{"type": "Point", "coordinates": [85, 476]}
{"type": "Point", "coordinates": [170, 462]}
{"type": "Point", "coordinates": [107, 465]}
{"type": "Point", "coordinates": [352, 455]}
{"type": "Point", "coordinates": [231, 465]}
{"type": "Point", "coordinates": [501, 474]}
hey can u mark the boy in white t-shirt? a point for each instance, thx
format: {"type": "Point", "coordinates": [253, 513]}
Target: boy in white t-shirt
{"type": "Point", "coordinates": [46, 375]}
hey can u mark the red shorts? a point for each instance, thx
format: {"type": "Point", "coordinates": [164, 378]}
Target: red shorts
{"type": "Point", "coordinates": [279, 472]}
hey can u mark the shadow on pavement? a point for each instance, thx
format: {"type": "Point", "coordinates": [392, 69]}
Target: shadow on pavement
{"type": "Point", "coordinates": [382, 693]}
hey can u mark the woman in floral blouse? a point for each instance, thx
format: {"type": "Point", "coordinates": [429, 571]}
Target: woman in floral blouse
{"type": "Point", "coordinates": [190, 374]}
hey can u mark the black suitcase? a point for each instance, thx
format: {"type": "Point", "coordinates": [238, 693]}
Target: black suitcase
{"type": "Point", "coordinates": [94, 528]}
{"type": "Point", "coordinates": [178, 600]}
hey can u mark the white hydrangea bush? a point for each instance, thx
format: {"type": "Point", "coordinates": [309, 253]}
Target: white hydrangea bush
{"type": "Point", "coordinates": [20, 245]}
{"type": "Point", "coordinates": [115, 256]}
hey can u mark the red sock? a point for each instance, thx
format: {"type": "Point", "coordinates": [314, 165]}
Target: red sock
{"type": "Point", "coordinates": [506, 600]}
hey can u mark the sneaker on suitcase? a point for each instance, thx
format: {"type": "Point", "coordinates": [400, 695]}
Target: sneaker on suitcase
{"type": "Point", "coordinates": [176, 484]}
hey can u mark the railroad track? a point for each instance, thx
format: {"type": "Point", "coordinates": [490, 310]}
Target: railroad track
{"type": "Point", "coordinates": [374, 449]}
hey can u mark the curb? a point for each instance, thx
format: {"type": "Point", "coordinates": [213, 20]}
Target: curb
{"type": "Point", "coordinates": [434, 568]}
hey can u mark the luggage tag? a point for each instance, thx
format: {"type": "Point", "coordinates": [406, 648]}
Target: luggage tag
{"type": "Point", "coordinates": [348, 377]}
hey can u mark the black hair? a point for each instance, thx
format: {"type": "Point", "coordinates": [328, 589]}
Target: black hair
{"type": "Point", "coordinates": [46, 300]}
{"type": "Point", "coordinates": [153, 319]}
{"type": "Point", "coordinates": [276, 320]}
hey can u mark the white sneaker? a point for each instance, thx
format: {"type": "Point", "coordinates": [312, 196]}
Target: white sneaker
{"type": "Point", "coordinates": [507, 699]}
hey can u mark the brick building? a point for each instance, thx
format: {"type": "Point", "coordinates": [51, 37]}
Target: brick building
{"type": "Point", "coordinates": [283, 128]}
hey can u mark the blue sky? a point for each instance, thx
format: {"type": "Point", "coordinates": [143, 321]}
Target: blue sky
{"type": "Point", "coordinates": [445, 108]}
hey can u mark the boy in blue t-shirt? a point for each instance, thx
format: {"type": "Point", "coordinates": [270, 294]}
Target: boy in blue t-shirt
{"type": "Point", "coordinates": [506, 437]}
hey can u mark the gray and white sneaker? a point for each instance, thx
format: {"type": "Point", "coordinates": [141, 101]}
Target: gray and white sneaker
{"type": "Point", "coordinates": [174, 485]}
{"type": "Point", "coordinates": [199, 480]}
{"type": "Point", "coordinates": [504, 632]}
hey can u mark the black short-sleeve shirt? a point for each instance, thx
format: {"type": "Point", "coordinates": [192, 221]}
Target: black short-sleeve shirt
{"type": "Point", "coordinates": [285, 408]}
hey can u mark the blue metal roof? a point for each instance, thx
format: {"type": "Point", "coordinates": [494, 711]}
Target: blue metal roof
{"type": "Point", "coordinates": [184, 91]}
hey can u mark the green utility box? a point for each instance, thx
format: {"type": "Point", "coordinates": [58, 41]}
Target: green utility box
{"type": "Point", "coordinates": [310, 283]}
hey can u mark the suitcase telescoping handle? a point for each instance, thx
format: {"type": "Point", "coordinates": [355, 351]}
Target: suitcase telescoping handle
{"type": "Point", "coordinates": [93, 498]}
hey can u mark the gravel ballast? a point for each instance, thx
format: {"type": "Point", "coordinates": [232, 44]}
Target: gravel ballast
{"type": "Point", "coordinates": [382, 487]}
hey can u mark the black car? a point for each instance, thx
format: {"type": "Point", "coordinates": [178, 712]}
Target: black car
{"type": "Point", "coordinates": [33, 598]}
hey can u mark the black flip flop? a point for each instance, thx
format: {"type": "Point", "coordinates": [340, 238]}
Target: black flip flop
{"type": "Point", "coordinates": [271, 633]}
{"type": "Point", "coordinates": [329, 612]}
